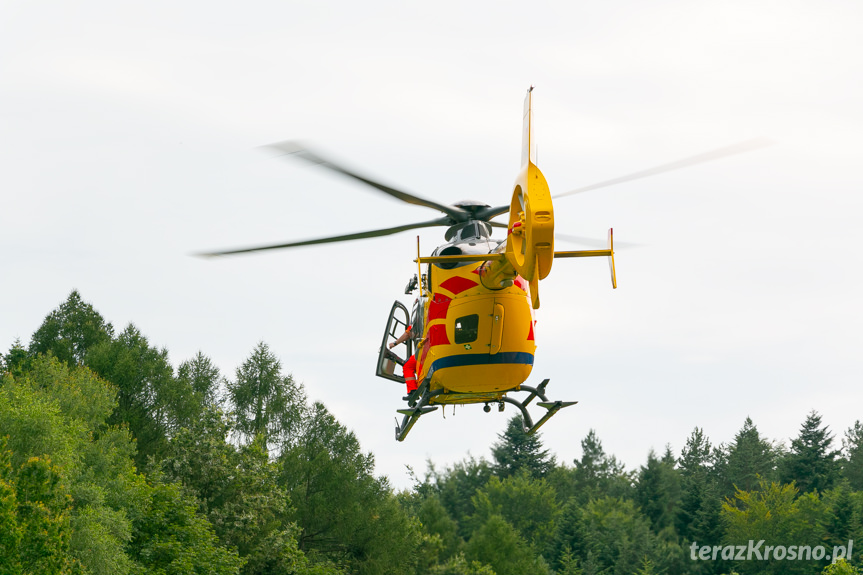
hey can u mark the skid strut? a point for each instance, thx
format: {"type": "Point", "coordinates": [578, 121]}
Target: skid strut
{"type": "Point", "coordinates": [418, 405]}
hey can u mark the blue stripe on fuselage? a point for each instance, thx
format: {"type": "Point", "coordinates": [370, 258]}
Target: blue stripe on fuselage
{"type": "Point", "coordinates": [481, 359]}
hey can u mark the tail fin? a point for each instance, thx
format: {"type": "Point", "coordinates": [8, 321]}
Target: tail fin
{"type": "Point", "coordinates": [528, 141]}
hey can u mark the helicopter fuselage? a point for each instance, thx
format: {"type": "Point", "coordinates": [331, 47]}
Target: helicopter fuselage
{"type": "Point", "coordinates": [475, 339]}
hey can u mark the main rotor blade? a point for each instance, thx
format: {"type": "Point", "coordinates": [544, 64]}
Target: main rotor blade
{"type": "Point", "coordinates": [344, 238]}
{"type": "Point", "coordinates": [488, 213]}
{"type": "Point", "coordinates": [295, 150]}
{"type": "Point", "coordinates": [747, 146]}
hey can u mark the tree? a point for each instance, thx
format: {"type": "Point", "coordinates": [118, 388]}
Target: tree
{"type": "Point", "coordinates": [88, 503]}
{"type": "Point", "coordinates": [458, 565]}
{"type": "Point", "coordinates": [150, 399]}
{"type": "Point", "coordinates": [810, 463]}
{"type": "Point", "coordinates": [841, 567]}
{"type": "Point", "coordinates": [16, 361]}
{"type": "Point", "coordinates": [70, 330]}
{"type": "Point", "coordinates": [497, 544]}
{"type": "Point", "coordinates": [456, 487]}
{"type": "Point", "coordinates": [527, 504]}
{"type": "Point", "coordinates": [698, 518]}
{"type": "Point", "coordinates": [774, 513]}
{"type": "Point", "coordinates": [345, 514]}
{"type": "Point", "coordinates": [570, 536]}
{"type": "Point", "coordinates": [41, 506]}
{"type": "Point", "coordinates": [436, 521]}
{"type": "Point", "coordinates": [569, 563]}
{"type": "Point", "coordinates": [748, 458]}
{"type": "Point", "coordinates": [843, 516]}
{"type": "Point", "coordinates": [658, 491]}
{"type": "Point", "coordinates": [171, 538]}
{"type": "Point", "coordinates": [238, 491]}
{"type": "Point", "coordinates": [618, 536]}
{"type": "Point", "coordinates": [597, 474]}
{"type": "Point", "coordinates": [852, 445]}
{"type": "Point", "coordinates": [265, 402]}
{"type": "Point", "coordinates": [204, 378]}
{"type": "Point", "coordinates": [516, 450]}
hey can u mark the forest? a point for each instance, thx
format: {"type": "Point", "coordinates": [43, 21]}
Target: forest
{"type": "Point", "coordinates": [114, 461]}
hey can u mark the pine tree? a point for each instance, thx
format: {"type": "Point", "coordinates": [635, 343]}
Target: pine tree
{"type": "Point", "coordinates": [569, 563]}
{"type": "Point", "coordinates": [457, 485]}
{"type": "Point", "coordinates": [17, 361]}
{"type": "Point", "coordinates": [852, 445]}
{"type": "Point", "coordinates": [517, 451]}
{"type": "Point", "coordinates": [810, 463]}
{"type": "Point", "coordinates": [749, 457]}
{"type": "Point", "coordinates": [699, 516]}
{"type": "Point", "coordinates": [596, 473]}
{"type": "Point", "coordinates": [658, 490]}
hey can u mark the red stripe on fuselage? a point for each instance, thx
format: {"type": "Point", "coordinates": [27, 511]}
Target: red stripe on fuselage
{"type": "Point", "coordinates": [458, 284]}
{"type": "Point", "coordinates": [438, 307]}
{"type": "Point", "coordinates": [437, 335]}
{"type": "Point", "coordinates": [520, 283]}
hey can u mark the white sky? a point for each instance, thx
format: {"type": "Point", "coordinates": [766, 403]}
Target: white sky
{"type": "Point", "coordinates": [127, 136]}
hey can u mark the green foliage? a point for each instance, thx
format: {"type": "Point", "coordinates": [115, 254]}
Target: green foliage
{"type": "Point", "coordinates": [841, 567]}
{"type": "Point", "coordinates": [596, 474]}
{"type": "Point", "coordinates": [34, 518]}
{"type": "Point", "coordinates": [498, 544]}
{"type": "Point", "coordinates": [700, 506]}
{"type": "Point", "coordinates": [70, 331]}
{"type": "Point", "coordinates": [239, 492]}
{"type": "Point", "coordinates": [516, 451]}
{"type": "Point", "coordinates": [852, 445]}
{"type": "Point", "coordinates": [60, 412]}
{"type": "Point", "coordinates": [170, 538]}
{"type": "Point", "coordinates": [647, 568]}
{"type": "Point", "coordinates": [345, 514]}
{"type": "Point", "coordinates": [457, 485]}
{"type": "Point", "coordinates": [528, 504]}
{"type": "Point", "coordinates": [570, 536]}
{"type": "Point", "coordinates": [201, 376]}
{"type": "Point", "coordinates": [458, 565]}
{"type": "Point", "coordinates": [658, 491]}
{"type": "Point", "coordinates": [265, 402]}
{"type": "Point", "coordinates": [151, 401]}
{"type": "Point", "coordinates": [811, 463]}
{"type": "Point", "coordinates": [569, 563]}
{"type": "Point", "coordinates": [749, 458]}
{"type": "Point", "coordinates": [295, 493]}
{"type": "Point", "coordinates": [618, 536]}
{"type": "Point", "coordinates": [775, 514]}
{"type": "Point", "coordinates": [436, 521]}
{"type": "Point", "coordinates": [17, 361]}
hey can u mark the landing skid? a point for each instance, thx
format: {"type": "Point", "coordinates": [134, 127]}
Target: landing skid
{"type": "Point", "coordinates": [418, 405]}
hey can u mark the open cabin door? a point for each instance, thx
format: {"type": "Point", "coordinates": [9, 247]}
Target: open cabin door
{"type": "Point", "coordinates": [397, 324]}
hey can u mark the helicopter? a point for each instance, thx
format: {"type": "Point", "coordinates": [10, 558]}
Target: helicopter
{"type": "Point", "coordinates": [470, 336]}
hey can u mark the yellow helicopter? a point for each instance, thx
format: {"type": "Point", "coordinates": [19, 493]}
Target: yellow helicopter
{"type": "Point", "coordinates": [470, 336]}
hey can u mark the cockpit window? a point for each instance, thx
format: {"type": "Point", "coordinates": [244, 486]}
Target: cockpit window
{"type": "Point", "coordinates": [466, 328]}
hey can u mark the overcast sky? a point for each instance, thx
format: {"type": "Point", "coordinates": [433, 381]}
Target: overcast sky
{"type": "Point", "coordinates": [127, 142]}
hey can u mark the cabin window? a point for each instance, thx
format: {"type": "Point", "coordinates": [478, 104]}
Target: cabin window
{"type": "Point", "coordinates": [466, 328]}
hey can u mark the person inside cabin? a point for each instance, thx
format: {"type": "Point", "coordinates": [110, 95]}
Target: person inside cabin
{"type": "Point", "coordinates": [409, 369]}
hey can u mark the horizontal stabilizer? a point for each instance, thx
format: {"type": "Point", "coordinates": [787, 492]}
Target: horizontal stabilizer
{"type": "Point", "coordinates": [418, 410]}
{"type": "Point", "coordinates": [558, 404]}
